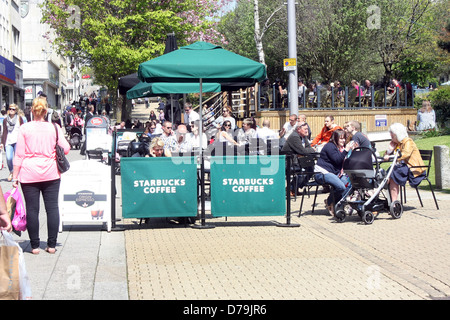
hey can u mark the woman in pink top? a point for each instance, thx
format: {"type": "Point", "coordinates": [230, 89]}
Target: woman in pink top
{"type": "Point", "coordinates": [35, 167]}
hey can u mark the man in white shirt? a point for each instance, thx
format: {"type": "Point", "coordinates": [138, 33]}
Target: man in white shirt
{"type": "Point", "coordinates": [169, 137]}
{"type": "Point", "coordinates": [288, 128]}
{"type": "Point", "coordinates": [265, 132]}
{"type": "Point", "coordinates": [189, 114]}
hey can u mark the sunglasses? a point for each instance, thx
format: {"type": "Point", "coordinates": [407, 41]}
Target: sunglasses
{"type": "Point", "coordinates": [13, 109]}
{"type": "Point", "coordinates": [227, 125]}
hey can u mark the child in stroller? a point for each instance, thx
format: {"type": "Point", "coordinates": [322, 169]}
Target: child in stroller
{"type": "Point", "coordinates": [75, 137]}
{"type": "Point", "coordinates": [370, 185]}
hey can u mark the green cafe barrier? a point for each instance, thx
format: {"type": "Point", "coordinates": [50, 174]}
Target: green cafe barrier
{"type": "Point", "coordinates": [251, 185]}
{"type": "Point", "coordinates": [158, 187]}
{"type": "Point", "coordinates": [240, 186]}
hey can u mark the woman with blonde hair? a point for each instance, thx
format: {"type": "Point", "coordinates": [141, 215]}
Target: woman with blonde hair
{"type": "Point", "coordinates": [426, 117]}
{"type": "Point", "coordinates": [157, 148]}
{"type": "Point", "coordinates": [36, 169]}
{"type": "Point", "coordinates": [11, 125]}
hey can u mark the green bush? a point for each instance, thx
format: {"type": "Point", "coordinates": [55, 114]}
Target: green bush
{"type": "Point", "coordinates": [440, 101]}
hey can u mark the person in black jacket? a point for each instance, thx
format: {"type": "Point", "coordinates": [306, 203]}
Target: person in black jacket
{"type": "Point", "coordinates": [330, 164]}
{"type": "Point", "coordinates": [88, 116]}
{"type": "Point", "coordinates": [298, 144]}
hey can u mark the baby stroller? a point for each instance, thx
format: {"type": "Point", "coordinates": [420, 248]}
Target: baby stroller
{"type": "Point", "coordinates": [75, 137]}
{"type": "Point", "coordinates": [369, 187]}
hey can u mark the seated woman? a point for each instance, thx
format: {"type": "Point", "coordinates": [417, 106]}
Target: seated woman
{"type": "Point", "coordinates": [329, 167]}
{"type": "Point", "coordinates": [225, 134]}
{"type": "Point", "coordinates": [426, 117]}
{"type": "Point", "coordinates": [157, 149]}
{"type": "Point", "coordinates": [410, 156]}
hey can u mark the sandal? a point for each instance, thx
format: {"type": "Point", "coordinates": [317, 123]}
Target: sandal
{"type": "Point", "coordinates": [50, 250]}
{"type": "Point", "coordinates": [330, 208]}
{"type": "Point", "coordinates": [35, 251]}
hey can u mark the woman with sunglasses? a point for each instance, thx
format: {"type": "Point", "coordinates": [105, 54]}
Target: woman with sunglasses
{"type": "Point", "coordinates": [11, 125]}
{"type": "Point", "coordinates": [226, 116]}
{"type": "Point", "coordinates": [226, 133]}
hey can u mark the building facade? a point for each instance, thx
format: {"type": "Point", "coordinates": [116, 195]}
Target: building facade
{"type": "Point", "coordinates": [43, 69]}
{"type": "Point", "coordinates": [11, 67]}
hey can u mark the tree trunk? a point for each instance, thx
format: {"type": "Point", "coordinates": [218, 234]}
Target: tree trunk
{"type": "Point", "coordinates": [258, 36]}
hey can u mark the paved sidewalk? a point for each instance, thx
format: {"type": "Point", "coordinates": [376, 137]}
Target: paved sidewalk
{"type": "Point", "coordinates": [252, 258]}
{"type": "Point", "coordinates": [89, 264]}
{"type": "Point", "coordinates": [247, 258]}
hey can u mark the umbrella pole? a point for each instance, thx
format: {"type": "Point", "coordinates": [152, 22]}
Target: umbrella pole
{"type": "Point", "coordinates": [171, 110]}
{"type": "Point", "coordinates": [203, 224]}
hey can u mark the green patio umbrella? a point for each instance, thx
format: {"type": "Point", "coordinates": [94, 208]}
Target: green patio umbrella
{"type": "Point", "coordinates": [145, 89]}
{"type": "Point", "coordinates": [202, 62]}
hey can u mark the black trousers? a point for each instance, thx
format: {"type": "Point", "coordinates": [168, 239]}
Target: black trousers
{"type": "Point", "coordinates": [50, 192]}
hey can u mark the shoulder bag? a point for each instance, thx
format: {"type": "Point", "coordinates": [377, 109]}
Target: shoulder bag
{"type": "Point", "coordinates": [61, 160]}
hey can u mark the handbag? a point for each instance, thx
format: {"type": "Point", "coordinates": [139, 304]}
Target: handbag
{"type": "Point", "coordinates": [61, 160]}
{"type": "Point", "coordinates": [16, 209]}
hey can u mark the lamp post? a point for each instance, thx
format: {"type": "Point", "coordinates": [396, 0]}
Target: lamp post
{"type": "Point", "coordinates": [292, 45]}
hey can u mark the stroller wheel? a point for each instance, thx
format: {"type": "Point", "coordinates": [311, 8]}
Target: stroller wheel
{"type": "Point", "coordinates": [396, 209]}
{"type": "Point", "coordinates": [368, 217]}
{"type": "Point", "coordinates": [340, 215]}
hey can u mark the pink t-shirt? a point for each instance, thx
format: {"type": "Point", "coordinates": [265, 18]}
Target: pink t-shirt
{"type": "Point", "coordinates": [35, 151]}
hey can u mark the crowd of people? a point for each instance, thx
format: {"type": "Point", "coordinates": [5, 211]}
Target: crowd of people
{"type": "Point", "coordinates": [275, 95]}
{"type": "Point", "coordinates": [331, 145]}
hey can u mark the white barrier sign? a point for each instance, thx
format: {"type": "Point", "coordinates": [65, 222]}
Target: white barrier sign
{"type": "Point", "coordinates": [85, 194]}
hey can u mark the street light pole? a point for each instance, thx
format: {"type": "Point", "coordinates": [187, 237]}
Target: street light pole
{"type": "Point", "coordinates": [292, 44]}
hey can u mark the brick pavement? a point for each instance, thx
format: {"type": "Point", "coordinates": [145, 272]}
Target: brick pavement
{"type": "Point", "coordinates": [252, 258]}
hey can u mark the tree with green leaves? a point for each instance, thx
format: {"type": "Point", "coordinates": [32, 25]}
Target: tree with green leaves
{"type": "Point", "coordinates": [114, 36]}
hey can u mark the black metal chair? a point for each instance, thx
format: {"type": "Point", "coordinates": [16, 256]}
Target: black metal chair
{"type": "Point", "coordinates": [426, 157]}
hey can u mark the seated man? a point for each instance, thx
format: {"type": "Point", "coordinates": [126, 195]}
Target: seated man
{"type": "Point", "coordinates": [288, 128]}
{"type": "Point", "coordinates": [183, 144]}
{"type": "Point", "coordinates": [353, 128]}
{"type": "Point", "coordinates": [265, 132]}
{"type": "Point", "coordinates": [298, 144]}
{"type": "Point", "coordinates": [169, 137]}
{"type": "Point", "coordinates": [325, 134]}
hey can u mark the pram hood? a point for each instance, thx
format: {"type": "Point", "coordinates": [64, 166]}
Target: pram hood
{"type": "Point", "coordinates": [359, 159]}
{"type": "Point", "coordinates": [75, 130]}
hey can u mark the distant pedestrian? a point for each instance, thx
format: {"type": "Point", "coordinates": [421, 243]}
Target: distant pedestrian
{"type": "Point", "coordinates": [11, 125]}
{"type": "Point", "coordinates": [152, 115]}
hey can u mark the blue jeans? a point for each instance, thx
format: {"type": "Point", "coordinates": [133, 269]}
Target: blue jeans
{"type": "Point", "coordinates": [337, 183]}
{"type": "Point", "coordinates": [10, 149]}
{"type": "Point", "coordinates": [31, 194]}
